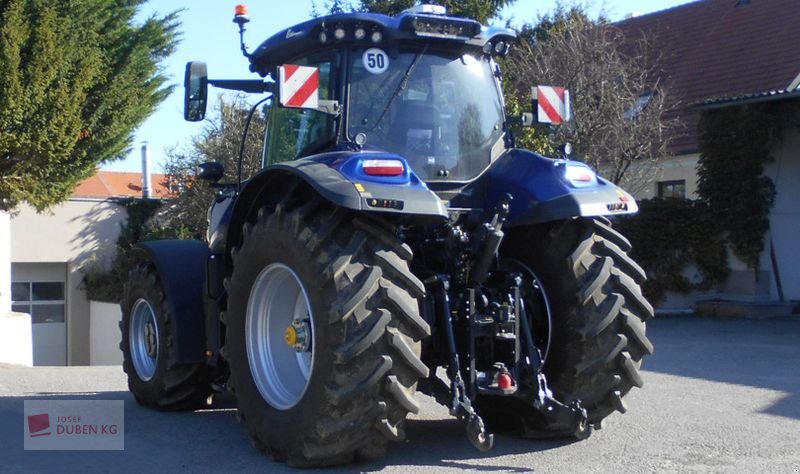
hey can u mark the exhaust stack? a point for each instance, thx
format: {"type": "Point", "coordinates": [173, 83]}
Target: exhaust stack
{"type": "Point", "coordinates": [146, 183]}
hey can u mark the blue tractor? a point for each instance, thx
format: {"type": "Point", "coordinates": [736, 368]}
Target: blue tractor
{"type": "Point", "coordinates": [394, 241]}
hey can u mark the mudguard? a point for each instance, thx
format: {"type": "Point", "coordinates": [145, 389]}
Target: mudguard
{"type": "Point", "coordinates": [338, 177]}
{"type": "Point", "coordinates": [181, 267]}
{"type": "Point", "coordinates": [543, 191]}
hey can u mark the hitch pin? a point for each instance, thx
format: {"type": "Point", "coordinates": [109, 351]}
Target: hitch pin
{"type": "Point", "coordinates": [477, 435]}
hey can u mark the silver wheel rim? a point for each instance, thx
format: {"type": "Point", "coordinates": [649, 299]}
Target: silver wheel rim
{"type": "Point", "coordinates": [143, 340]}
{"type": "Point", "coordinates": [278, 300]}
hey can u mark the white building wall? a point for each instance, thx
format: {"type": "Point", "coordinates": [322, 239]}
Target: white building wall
{"type": "Point", "coordinates": [16, 340]}
{"type": "Point", "coordinates": [77, 230]}
{"type": "Point", "coordinates": [74, 233]}
{"type": "Point", "coordinates": [785, 216]}
{"type": "Point", "coordinates": [744, 283]}
{"type": "Point", "coordinates": [104, 334]}
{"type": "Point", "coordinates": [673, 168]}
{"type": "Point", "coordinates": [5, 263]}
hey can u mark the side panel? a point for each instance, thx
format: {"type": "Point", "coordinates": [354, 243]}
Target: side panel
{"type": "Point", "coordinates": [181, 266]}
{"type": "Point", "coordinates": [219, 217]}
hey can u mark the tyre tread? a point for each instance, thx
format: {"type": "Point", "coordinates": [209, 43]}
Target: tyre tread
{"type": "Point", "coordinates": [175, 387]}
{"type": "Point", "coordinates": [601, 337]}
{"type": "Point", "coordinates": [374, 324]}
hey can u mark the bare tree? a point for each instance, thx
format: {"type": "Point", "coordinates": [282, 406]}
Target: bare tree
{"type": "Point", "coordinates": [620, 109]}
{"type": "Point", "coordinates": [219, 141]}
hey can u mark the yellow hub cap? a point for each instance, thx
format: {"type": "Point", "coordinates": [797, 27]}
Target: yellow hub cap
{"type": "Point", "coordinates": [290, 336]}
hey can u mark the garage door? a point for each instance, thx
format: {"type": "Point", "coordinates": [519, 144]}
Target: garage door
{"type": "Point", "coordinates": [45, 302]}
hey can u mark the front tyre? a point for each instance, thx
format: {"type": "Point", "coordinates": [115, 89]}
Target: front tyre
{"type": "Point", "coordinates": [154, 378]}
{"type": "Point", "coordinates": [323, 334]}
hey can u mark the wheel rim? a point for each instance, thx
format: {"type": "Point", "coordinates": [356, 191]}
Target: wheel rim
{"type": "Point", "coordinates": [279, 302]}
{"type": "Point", "coordinates": [143, 339]}
{"type": "Point", "coordinates": [537, 305]}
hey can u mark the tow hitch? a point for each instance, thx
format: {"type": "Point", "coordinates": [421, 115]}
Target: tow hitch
{"type": "Point", "coordinates": [515, 368]}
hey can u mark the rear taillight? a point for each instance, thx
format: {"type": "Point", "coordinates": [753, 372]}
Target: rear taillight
{"type": "Point", "coordinates": [383, 167]}
{"type": "Point", "coordinates": [579, 175]}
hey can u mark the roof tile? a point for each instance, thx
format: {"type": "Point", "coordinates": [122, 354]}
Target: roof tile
{"type": "Point", "coordinates": [108, 184]}
{"type": "Point", "coordinates": [716, 48]}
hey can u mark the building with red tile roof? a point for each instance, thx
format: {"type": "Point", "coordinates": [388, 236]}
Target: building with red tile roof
{"type": "Point", "coordinates": [120, 184]}
{"type": "Point", "coordinates": [730, 53]}
{"type": "Point", "coordinates": [54, 249]}
{"type": "Point", "coordinates": [717, 50]}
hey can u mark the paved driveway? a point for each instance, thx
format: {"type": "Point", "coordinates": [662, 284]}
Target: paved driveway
{"type": "Point", "coordinates": [719, 396]}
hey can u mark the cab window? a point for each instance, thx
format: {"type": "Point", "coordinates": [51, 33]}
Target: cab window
{"type": "Point", "coordinates": [296, 133]}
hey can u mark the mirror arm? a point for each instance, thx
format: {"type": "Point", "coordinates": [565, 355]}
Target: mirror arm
{"type": "Point", "coordinates": [244, 141]}
{"type": "Point", "coordinates": [330, 107]}
{"type": "Point", "coordinates": [525, 119]}
{"type": "Point", "coordinates": [245, 85]}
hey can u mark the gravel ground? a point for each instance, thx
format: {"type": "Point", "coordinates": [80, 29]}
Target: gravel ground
{"type": "Point", "coordinates": [719, 396]}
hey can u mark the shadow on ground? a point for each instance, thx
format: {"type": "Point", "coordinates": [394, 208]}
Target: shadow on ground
{"type": "Point", "coordinates": [443, 443]}
{"type": "Point", "coordinates": [762, 354]}
{"type": "Point", "coordinates": [756, 353]}
{"type": "Point", "coordinates": [185, 441]}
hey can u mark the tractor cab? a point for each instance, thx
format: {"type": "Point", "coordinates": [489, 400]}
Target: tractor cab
{"type": "Point", "coordinates": [420, 85]}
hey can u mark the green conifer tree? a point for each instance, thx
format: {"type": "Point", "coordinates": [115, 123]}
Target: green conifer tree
{"type": "Point", "coordinates": [78, 76]}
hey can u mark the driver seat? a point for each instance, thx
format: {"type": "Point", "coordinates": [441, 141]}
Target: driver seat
{"type": "Point", "coordinates": [416, 131]}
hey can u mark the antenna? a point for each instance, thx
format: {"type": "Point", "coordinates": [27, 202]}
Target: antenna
{"type": "Point", "coordinates": [240, 18]}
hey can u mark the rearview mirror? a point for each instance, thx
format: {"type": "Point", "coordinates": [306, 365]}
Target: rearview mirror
{"type": "Point", "coordinates": [211, 171]}
{"type": "Point", "coordinates": [195, 93]}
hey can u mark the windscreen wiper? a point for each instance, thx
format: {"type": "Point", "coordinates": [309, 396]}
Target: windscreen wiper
{"type": "Point", "coordinates": [400, 87]}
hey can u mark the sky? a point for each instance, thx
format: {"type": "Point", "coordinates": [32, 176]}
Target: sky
{"type": "Point", "coordinates": [208, 34]}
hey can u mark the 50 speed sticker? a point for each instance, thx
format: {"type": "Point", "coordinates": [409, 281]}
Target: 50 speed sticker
{"type": "Point", "coordinates": [375, 61]}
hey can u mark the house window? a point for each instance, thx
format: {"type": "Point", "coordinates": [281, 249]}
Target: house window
{"type": "Point", "coordinates": [44, 300]}
{"type": "Point", "coordinates": [672, 189]}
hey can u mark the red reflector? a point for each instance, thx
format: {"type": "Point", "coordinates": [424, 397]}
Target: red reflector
{"type": "Point", "coordinates": [383, 167]}
{"type": "Point", "coordinates": [504, 381]}
{"type": "Point", "coordinates": [240, 10]}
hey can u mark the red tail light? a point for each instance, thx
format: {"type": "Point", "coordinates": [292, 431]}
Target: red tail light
{"type": "Point", "coordinates": [579, 175]}
{"type": "Point", "coordinates": [383, 167]}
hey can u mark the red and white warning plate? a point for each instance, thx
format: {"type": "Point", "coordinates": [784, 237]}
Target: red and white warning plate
{"type": "Point", "coordinates": [553, 104]}
{"type": "Point", "coordinates": [299, 86]}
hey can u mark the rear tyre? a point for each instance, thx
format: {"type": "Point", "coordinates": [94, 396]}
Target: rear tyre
{"type": "Point", "coordinates": [153, 377]}
{"type": "Point", "coordinates": [323, 333]}
{"type": "Point", "coordinates": [597, 317]}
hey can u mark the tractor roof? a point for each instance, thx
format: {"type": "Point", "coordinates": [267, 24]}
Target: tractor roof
{"type": "Point", "coordinates": [407, 27]}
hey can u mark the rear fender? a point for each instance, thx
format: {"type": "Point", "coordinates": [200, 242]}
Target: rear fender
{"type": "Point", "coordinates": [333, 176]}
{"type": "Point", "coordinates": [542, 192]}
{"type": "Point", "coordinates": [181, 268]}
{"type": "Point", "coordinates": [339, 177]}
